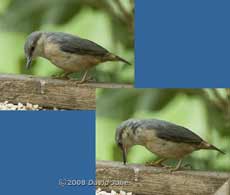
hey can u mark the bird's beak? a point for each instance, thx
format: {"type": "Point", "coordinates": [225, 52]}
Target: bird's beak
{"type": "Point", "coordinates": [124, 154]}
{"type": "Point", "coordinates": [28, 62]}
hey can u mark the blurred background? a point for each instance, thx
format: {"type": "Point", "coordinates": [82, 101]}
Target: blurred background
{"type": "Point", "coordinates": [109, 23]}
{"type": "Point", "coordinates": [204, 111]}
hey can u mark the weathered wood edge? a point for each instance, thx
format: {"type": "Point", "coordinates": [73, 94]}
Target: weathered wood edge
{"type": "Point", "coordinates": [50, 93]}
{"type": "Point", "coordinates": [46, 92]}
{"type": "Point", "coordinates": [64, 82]}
{"type": "Point", "coordinates": [224, 189]}
{"type": "Point", "coordinates": [144, 180]}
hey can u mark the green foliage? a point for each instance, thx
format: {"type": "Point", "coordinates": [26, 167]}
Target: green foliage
{"type": "Point", "coordinates": [192, 108]}
{"type": "Point", "coordinates": [109, 23]}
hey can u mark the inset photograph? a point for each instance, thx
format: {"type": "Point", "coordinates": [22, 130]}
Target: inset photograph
{"type": "Point", "coordinates": [147, 138]}
{"type": "Point", "coordinates": [54, 55]}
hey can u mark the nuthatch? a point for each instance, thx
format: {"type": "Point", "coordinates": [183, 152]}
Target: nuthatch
{"type": "Point", "coordinates": [165, 139]}
{"type": "Point", "coordinates": [68, 52]}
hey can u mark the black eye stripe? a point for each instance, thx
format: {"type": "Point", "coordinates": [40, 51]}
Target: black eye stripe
{"type": "Point", "coordinates": [120, 145]}
{"type": "Point", "coordinates": [34, 43]}
{"type": "Point", "coordinates": [31, 50]}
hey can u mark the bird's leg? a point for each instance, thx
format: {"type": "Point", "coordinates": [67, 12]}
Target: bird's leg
{"type": "Point", "coordinates": [157, 163]}
{"type": "Point", "coordinates": [178, 166]}
{"type": "Point", "coordinates": [187, 166]}
{"type": "Point", "coordinates": [84, 78]}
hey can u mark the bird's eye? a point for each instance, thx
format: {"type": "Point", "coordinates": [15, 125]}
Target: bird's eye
{"type": "Point", "coordinates": [120, 144]}
{"type": "Point", "coordinates": [32, 48]}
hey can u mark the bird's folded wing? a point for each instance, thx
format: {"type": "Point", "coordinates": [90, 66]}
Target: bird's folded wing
{"type": "Point", "coordinates": [176, 133]}
{"type": "Point", "coordinates": [73, 44]}
{"type": "Point", "coordinates": [171, 132]}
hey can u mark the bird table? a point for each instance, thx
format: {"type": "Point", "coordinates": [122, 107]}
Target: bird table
{"type": "Point", "coordinates": [51, 93]}
{"type": "Point", "coordinates": [145, 180]}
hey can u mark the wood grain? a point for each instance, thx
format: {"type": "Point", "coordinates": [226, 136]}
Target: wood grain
{"type": "Point", "coordinates": [49, 93]}
{"type": "Point", "coordinates": [144, 180]}
{"type": "Point", "coordinates": [224, 189]}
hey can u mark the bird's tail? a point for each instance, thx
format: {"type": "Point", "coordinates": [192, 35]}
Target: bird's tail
{"type": "Point", "coordinates": [211, 147]}
{"type": "Point", "coordinates": [113, 57]}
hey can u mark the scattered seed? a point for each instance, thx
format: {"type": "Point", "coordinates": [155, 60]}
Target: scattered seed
{"type": "Point", "coordinates": [101, 192]}
{"type": "Point", "coordinates": [20, 106]}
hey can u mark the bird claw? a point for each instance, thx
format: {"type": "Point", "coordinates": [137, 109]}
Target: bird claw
{"type": "Point", "coordinates": [89, 79]}
{"type": "Point", "coordinates": [173, 169]}
{"type": "Point", "coordinates": [77, 81]}
{"type": "Point", "coordinates": [184, 167]}
{"type": "Point", "coordinates": [60, 76]}
{"type": "Point", "coordinates": [187, 167]}
{"type": "Point", "coordinates": [153, 164]}
{"type": "Point", "coordinates": [157, 163]}
{"type": "Point", "coordinates": [169, 168]}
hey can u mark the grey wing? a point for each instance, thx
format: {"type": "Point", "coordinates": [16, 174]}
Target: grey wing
{"type": "Point", "coordinates": [73, 44]}
{"type": "Point", "coordinates": [174, 133]}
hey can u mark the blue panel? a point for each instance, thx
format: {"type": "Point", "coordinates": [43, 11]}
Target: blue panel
{"type": "Point", "coordinates": [182, 43]}
{"type": "Point", "coordinates": [39, 148]}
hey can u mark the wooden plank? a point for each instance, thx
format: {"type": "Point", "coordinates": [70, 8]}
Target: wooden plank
{"type": "Point", "coordinates": [224, 189]}
{"type": "Point", "coordinates": [49, 93]}
{"type": "Point", "coordinates": [144, 180]}
{"type": "Point", "coordinates": [46, 92]}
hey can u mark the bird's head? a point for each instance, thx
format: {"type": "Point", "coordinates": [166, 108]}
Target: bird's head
{"type": "Point", "coordinates": [31, 47]}
{"type": "Point", "coordinates": [125, 138]}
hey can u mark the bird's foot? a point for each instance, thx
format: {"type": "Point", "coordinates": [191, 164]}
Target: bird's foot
{"type": "Point", "coordinates": [173, 169]}
{"type": "Point", "coordinates": [78, 81]}
{"type": "Point", "coordinates": [60, 76]}
{"type": "Point", "coordinates": [154, 164]}
{"type": "Point", "coordinates": [181, 168]}
{"type": "Point", "coordinates": [187, 167]}
{"type": "Point", "coordinates": [157, 163]}
{"type": "Point", "coordinates": [88, 79]}
{"type": "Point", "coordinates": [167, 167]}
